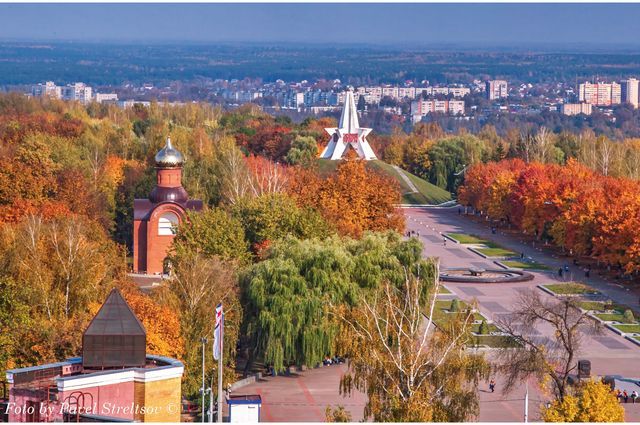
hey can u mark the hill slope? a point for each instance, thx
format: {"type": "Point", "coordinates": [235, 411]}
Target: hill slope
{"type": "Point", "coordinates": [414, 190]}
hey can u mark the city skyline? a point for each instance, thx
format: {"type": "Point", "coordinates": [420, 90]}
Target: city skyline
{"type": "Point", "coordinates": [541, 26]}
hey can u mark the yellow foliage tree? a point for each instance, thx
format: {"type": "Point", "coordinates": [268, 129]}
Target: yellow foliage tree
{"type": "Point", "coordinates": [594, 402]}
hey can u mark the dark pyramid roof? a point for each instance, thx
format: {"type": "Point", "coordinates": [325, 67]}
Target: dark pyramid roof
{"type": "Point", "coordinates": [115, 337]}
{"type": "Point", "coordinates": [115, 317]}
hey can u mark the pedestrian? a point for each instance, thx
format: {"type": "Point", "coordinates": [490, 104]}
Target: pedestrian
{"type": "Point", "coordinates": [522, 255]}
{"type": "Point", "coordinates": [418, 234]}
{"type": "Point", "coordinates": [560, 272]}
{"type": "Point", "coordinates": [625, 395]}
{"type": "Point", "coordinates": [566, 268]}
{"type": "Point", "coordinates": [459, 211]}
{"type": "Point", "coordinates": [619, 395]}
{"type": "Point", "coordinates": [634, 395]}
{"type": "Point", "coordinates": [444, 242]}
{"type": "Point", "coordinates": [492, 385]}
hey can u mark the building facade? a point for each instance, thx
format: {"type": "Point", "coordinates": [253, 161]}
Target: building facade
{"type": "Point", "coordinates": [629, 90]}
{"type": "Point", "coordinates": [496, 89]}
{"type": "Point", "coordinates": [424, 107]}
{"type": "Point", "coordinates": [576, 108]}
{"type": "Point", "coordinates": [600, 94]}
{"type": "Point", "coordinates": [156, 218]}
{"type": "Point", "coordinates": [113, 381]}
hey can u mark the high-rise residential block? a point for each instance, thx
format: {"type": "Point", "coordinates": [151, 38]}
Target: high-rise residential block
{"type": "Point", "coordinates": [600, 94]}
{"type": "Point", "coordinates": [496, 89]}
{"type": "Point", "coordinates": [629, 89]}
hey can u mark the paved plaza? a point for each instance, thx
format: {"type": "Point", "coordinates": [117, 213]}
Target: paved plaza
{"type": "Point", "coordinates": [304, 396]}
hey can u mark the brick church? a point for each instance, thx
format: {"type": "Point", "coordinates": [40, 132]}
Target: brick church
{"type": "Point", "coordinates": [156, 218]}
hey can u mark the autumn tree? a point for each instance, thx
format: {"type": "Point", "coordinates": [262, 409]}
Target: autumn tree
{"type": "Point", "coordinates": [198, 284]}
{"type": "Point", "coordinates": [52, 271]}
{"type": "Point", "coordinates": [594, 401]}
{"type": "Point", "coordinates": [339, 414]}
{"type": "Point", "coordinates": [410, 371]}
{"type": "Point", "coordinates": [354, 199]}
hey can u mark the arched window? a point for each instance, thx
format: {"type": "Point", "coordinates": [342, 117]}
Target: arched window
{"type": "Point", "coordinates": [167, 224]}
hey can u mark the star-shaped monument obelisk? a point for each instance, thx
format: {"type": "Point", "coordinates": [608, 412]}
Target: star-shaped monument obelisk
{"type": "Point", "coordinates": [348, 133]}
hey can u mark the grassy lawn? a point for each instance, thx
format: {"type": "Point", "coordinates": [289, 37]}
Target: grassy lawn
{"type": "Point", "coordinates": [467, 239]}
{"type": "Point", "coordinates": [475, 328]}
{"type": "Point", "coordinates": [427, 193]}
{"type": "Point", "coordinates": [610, 317]}
{"type": "Point", "coordinates": [443, 290]}
{"type": "Point", "coordinates": [591, 305]}
{"type": "Point", "coordinates": [496, 252]}
{"type": "Point", "coordinates": [524, 265]}
{"type": "Point", "coordinates": [637, 338]}
{"type": "Point", "coordinates": [441, 315]}
{"type": "Point", "coordinates": [495, 341]}
{"type": "Point", "coordinates": [570, 289]}
{"type": "Point", "coordinates": [628, 328]}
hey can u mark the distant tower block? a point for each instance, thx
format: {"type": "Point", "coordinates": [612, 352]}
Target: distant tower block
{"type": "Point", "coordinates": [349, 133]}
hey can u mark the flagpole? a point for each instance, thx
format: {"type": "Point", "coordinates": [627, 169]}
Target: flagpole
{"type": "Point", "coordinates": [220, 369]}
{"type": "Point", "coordinates": [526, 403]}
{"type": "Point", "coordinates": [204, 342]}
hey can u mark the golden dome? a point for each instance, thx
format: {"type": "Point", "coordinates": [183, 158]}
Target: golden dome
{"type": "Point", "coordinates": [169, 157]}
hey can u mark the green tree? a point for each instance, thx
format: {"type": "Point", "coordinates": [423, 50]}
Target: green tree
{"type": "Point", "coordinates": [449, 156]}
{"type": "Point", "coordinates": [274, 216]}
{"type": "Point", "coordinates": [304, 151]}
{"type": "Point", "coordinates": [212, 232]}
{"type": "Point", "coordinates": [287, 296]}
{"type": "Point", "coordinates": [455, 306]}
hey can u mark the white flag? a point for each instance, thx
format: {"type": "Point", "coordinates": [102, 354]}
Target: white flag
{"type": "Point", "coordinates": [218, 332]}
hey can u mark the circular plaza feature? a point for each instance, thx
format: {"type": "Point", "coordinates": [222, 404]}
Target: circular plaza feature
{"type": "Point", "coordinates": [480, 275]}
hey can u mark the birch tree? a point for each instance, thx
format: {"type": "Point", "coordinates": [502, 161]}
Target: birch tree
{"type": "Point", "coordinates": [409, 369]}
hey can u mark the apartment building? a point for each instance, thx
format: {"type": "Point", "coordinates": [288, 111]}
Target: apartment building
{"type": "Point", "coordinates": [496, 89]}
{"type": "Point", "coordinates": [629, 89]}
{"type": "Point", "coordinates": [575, 108]}
{"type": "Point", "coordinates": [424, 107]}
{"type": "Point", "coordinates": [77, 91]}
{"type": "Point", "coordinates": [600, 94]}
{"type": "Point", "coordinates": [47, 89]}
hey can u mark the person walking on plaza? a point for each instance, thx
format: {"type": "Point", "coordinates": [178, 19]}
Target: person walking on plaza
{"type": "Point", "coordinates": [492, 385]}
{"type": "Point", "coordinates": [625, 395]}
{"type": "Point", "coordinates": [634, 395]}
{"type": "Point", "coordinates": [444, 241]}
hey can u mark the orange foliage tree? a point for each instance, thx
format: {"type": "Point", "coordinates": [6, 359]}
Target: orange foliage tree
{"type": "Point", "coordinates": [354, 199]}
{"type": "Point", "coordinates": [575, 207]}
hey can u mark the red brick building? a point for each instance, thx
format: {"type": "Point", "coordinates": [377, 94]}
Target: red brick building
{"type": "Point", "coordinates": [155, 219]}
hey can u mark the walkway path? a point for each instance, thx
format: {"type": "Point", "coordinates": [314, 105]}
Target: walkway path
{"type": "Point", "coordinates": [406, 179]}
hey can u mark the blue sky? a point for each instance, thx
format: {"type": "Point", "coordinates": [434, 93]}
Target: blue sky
{"type": "Point", "coordinates": [426, 24]}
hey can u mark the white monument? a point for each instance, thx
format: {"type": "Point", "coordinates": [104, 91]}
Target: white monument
{"type": "Point", "coordinates": [349, 133]}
